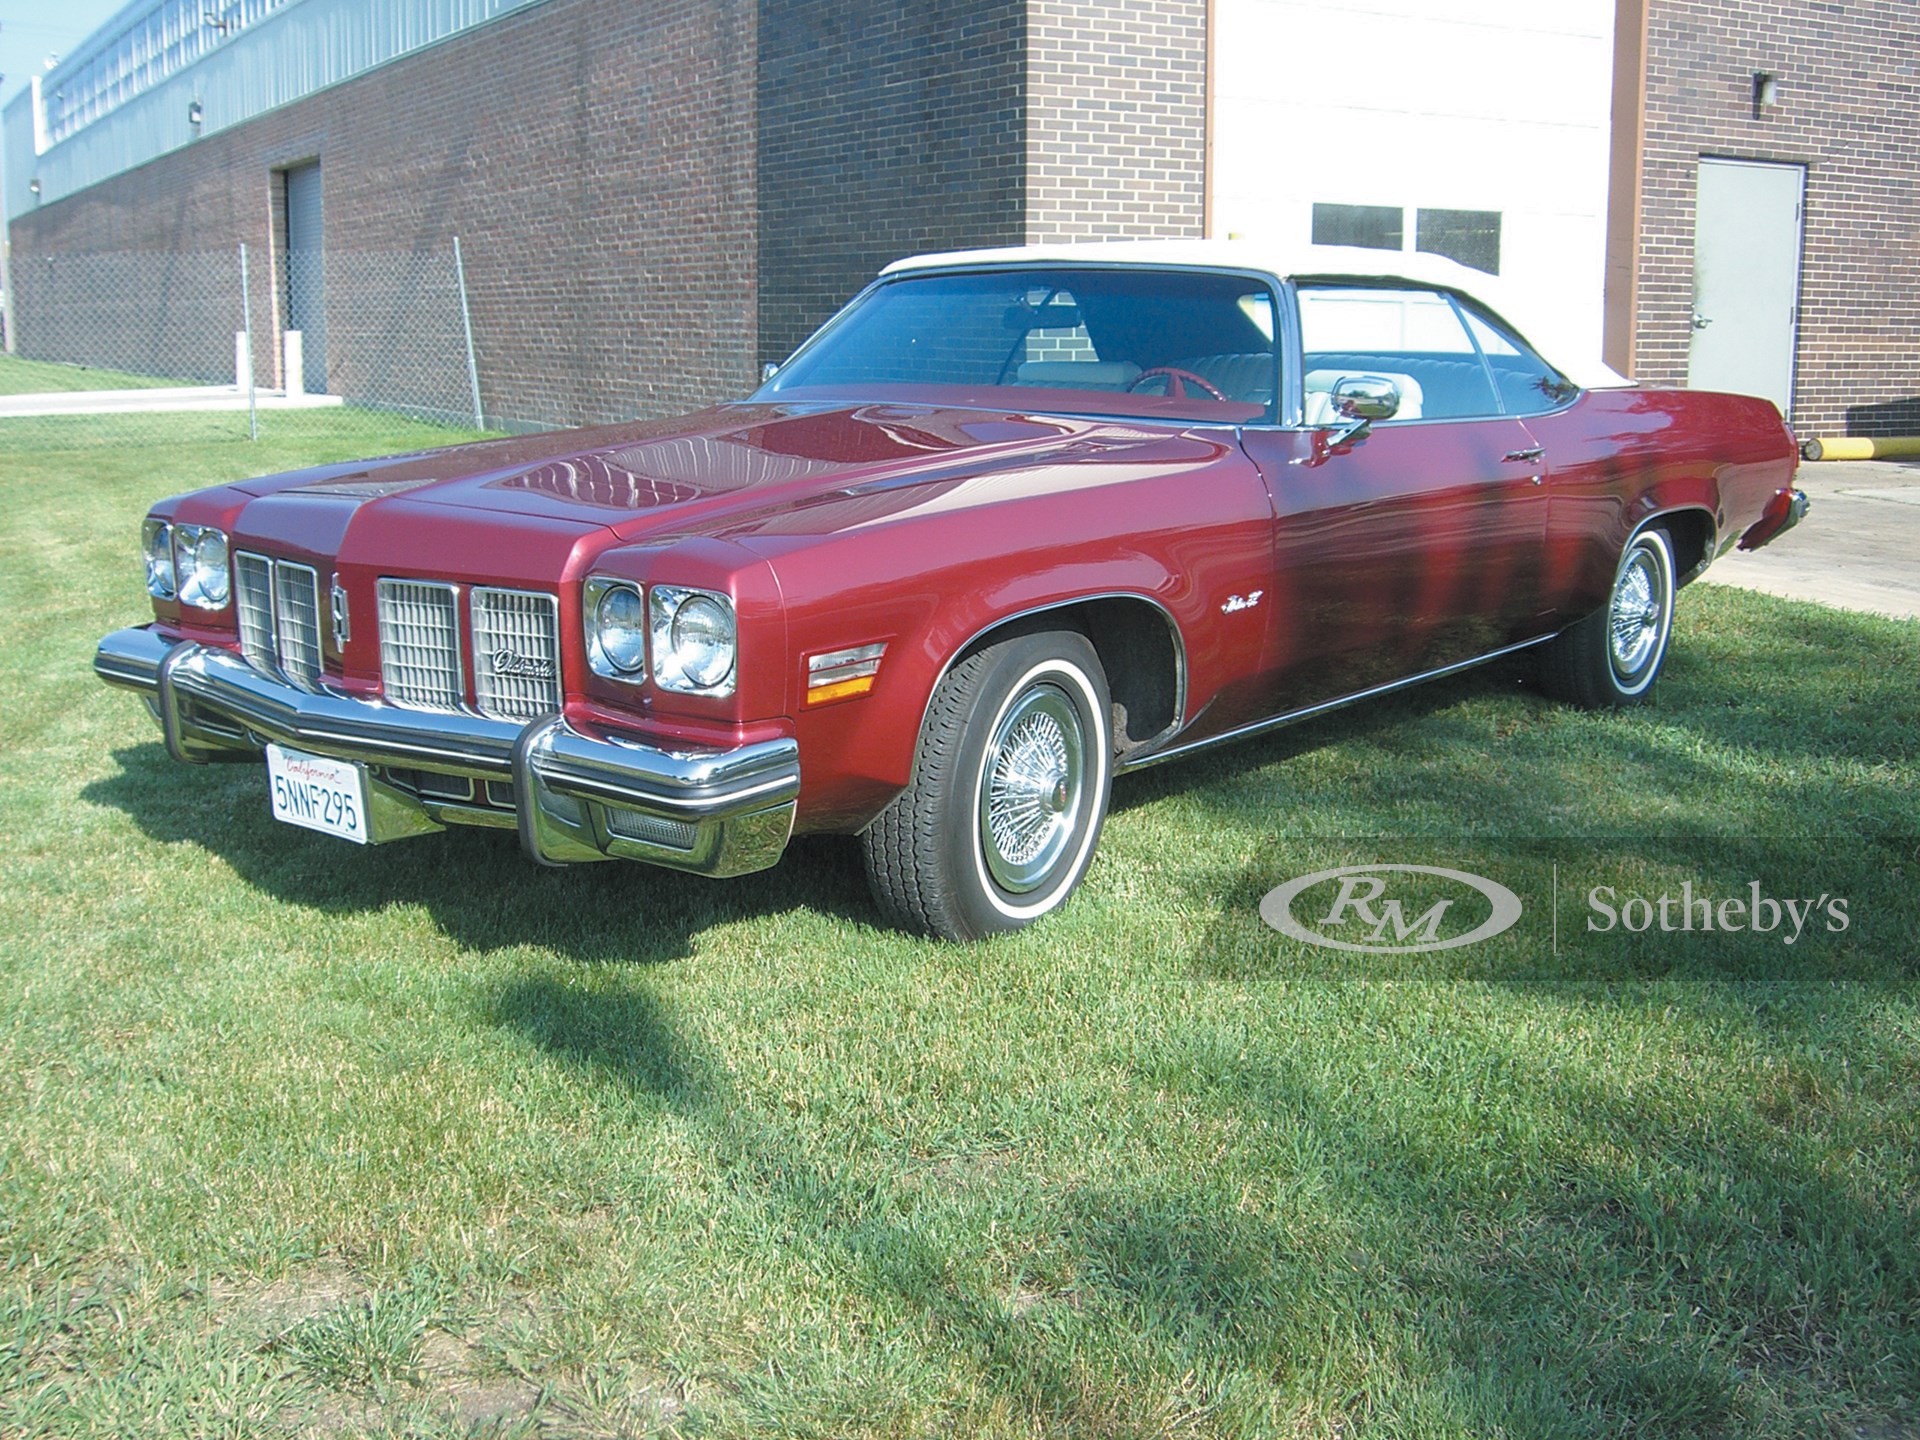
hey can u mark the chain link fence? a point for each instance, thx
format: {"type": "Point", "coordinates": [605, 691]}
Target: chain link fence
{"type": "Point", "coordinates": [238, 343]}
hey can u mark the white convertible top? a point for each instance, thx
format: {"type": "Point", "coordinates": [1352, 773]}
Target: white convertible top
{"type": "Point", "coordinates": [1304, 262]}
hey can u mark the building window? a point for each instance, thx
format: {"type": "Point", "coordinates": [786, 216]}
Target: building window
{"type": "Point", "coordinates": [1471, 237]}
{"type": "Point", "coordinates": [1371, 227]}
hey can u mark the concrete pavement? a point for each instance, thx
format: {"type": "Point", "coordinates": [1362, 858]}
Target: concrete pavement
{"type": "Point", "coordinates": [158, 400]}
{"type": "Point", "coordinates": [1858, 548]}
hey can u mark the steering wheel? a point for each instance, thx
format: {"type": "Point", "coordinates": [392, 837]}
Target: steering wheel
{"type": "Point", "coordinates": [1176, 382]}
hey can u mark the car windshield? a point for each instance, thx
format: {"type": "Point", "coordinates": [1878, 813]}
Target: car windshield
{"type": "Point", "coordinates": [1139, 343]}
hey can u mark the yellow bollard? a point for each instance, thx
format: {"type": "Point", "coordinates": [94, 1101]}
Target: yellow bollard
{"type": "Point", "coordinates": [1860, 447]}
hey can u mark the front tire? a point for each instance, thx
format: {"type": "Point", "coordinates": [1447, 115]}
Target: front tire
{"type": "Point", "coordinates": [1007, 800]}
{"type": "Point", "coordinates": [1613, 657]}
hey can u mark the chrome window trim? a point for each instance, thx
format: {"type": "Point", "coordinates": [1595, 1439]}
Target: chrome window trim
{"type": "Point", "coordinates": [1289, 395]}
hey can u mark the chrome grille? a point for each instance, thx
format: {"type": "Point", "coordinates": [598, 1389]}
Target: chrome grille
{"type": "Point", "coordinates": [253, 588]}
{"type": "Point", "coordinates": [296, 621]}
{"type": "Point", "coordinates": [516, 653]}
{"type": "Point", "coordinates": [279, 607]}
{"type": "Point", "coordinates": [420, 645]}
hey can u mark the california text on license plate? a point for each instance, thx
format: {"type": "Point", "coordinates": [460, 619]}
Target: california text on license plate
{"type": "Point", "coordinates": [325, 795]}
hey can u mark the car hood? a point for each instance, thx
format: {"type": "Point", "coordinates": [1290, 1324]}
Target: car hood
{"type": "Point", "coordinates": [733, 469]}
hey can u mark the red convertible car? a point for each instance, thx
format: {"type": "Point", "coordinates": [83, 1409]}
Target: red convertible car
{"type": "Point", "coordinates": [1013, 523]}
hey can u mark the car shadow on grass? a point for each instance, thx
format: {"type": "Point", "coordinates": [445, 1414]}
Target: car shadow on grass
{"type": "Point", "coordinates": [1824, 682]}
{"type": "Point", "coordinates": [1817, 871]}
{"type": "Point", "coordinates": [1789, 770]}
{"type": "Point", "coordinates": [480, 889]}
{"type": "Point", "coordinates": [1820, 880]}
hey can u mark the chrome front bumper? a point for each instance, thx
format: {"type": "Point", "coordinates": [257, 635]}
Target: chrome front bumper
{"type": "Point", "coordinates": [573, 795]}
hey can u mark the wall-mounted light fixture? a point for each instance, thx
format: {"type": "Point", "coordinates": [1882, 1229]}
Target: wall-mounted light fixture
{"type": "Point", "coordinates": [1766, 92]}
{"type": "Point", "coordinates": [33, 187]}
{"type": "Point", "coordinates": [195, 114]}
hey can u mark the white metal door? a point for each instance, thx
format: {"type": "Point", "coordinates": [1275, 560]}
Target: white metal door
{"type": "Point", "coordinates": [1746, 278]}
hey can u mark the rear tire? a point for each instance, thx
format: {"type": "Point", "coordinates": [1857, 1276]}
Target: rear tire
{"type": "Point", "coordinates": [1007, 800]}
{"type": "Point", "coordinates": [1613, 657]}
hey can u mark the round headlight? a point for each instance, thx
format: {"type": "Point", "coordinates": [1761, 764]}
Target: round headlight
{"type": "Point", "coordinates": [620, 628]}
{"type": "Point", "coordinates": [200, 551]}
{"type": "Point", "coordinates": [210, 568]}
{"type": "Point", "coordinates": [703, 641]}
{"type": "Point", "coordinates": [156, 542]}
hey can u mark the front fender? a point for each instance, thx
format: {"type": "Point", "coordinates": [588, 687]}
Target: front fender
{"type": "Point", "coordinates": [1181, 523]}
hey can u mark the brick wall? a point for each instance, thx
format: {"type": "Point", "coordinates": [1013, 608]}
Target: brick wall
{"type": "Point", "coordinates": [595, 157]}
{"type": "Point", "coordinates": [884, 130]}
{"type": "Point", "coordinates": [654, 199]}
{"type": "Point", "coordinates": [1116, 119]}
{"type": "Point", "coordinates": [1849, 110]}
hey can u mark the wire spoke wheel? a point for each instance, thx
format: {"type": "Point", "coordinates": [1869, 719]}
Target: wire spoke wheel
{"type": "Point", "coordinates": [1000, 821]}
{"type": "Point", "coordinates": [1030, 788]}
{"type": "Point", "coordinates": [1613, 656]}
{"type": "Point", "coordinates": [1636, 618]}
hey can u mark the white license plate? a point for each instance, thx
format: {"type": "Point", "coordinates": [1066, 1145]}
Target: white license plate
{"type": "Point", "coordinates": [325, 795]}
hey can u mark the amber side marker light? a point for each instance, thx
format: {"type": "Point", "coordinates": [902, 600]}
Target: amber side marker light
{"type": "Point", "coordinates": [843, 674]}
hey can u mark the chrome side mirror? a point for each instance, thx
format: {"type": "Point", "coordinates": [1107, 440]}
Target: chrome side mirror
{"type": "Point", "coordinates": [1359, 400]}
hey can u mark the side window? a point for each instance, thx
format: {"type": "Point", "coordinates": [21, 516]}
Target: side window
{"type": "Point", "coordinates": [1413, 337]}
{"type": "Point", "coordinates": [1528, 385]}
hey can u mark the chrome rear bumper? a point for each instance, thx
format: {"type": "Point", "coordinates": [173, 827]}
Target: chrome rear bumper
{"type": "Point", "coordinates": [1785, 510]}
{"type": "Point", "coordinates": [574, 795]}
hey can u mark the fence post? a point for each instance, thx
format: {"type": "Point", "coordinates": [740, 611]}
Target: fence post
{"type": "Point", "coordinates": [6, 286]}
{"type": "Point", "coordinates": [246, 326]}
{"type": "Point", "coordinates": [466, 324]}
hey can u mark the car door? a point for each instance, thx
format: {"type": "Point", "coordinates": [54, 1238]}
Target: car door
{"type": "Point", "coordinates": [1416, 545]}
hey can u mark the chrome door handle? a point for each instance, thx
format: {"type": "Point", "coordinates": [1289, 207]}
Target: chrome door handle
{"type": "Point", "coordinates": [1700, 322]}
{"type": "Point", "coordinates": [1525, 457]}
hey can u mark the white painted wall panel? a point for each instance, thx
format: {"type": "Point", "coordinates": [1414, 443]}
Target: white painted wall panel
{"type": "Point", "coordinates": [1449, 104]}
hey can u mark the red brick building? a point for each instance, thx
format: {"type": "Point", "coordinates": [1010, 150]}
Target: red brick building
{"type": "Point", "coordinates": [1814, 101]}
{"type": "Point", "coordinates": [653, 200]}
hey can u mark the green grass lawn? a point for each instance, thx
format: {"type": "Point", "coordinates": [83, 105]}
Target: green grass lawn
{"type": "Point", "coordinates": [423, 1141]}
{"type": "Point", "coordinates": [40, 377]}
